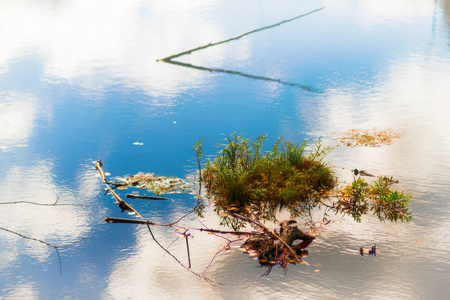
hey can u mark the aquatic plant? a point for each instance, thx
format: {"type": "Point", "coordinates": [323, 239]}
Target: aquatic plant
{"type": "Point", "coordinates": [360, 198]}
{"type": "Point", "coordinates": [245, 180]}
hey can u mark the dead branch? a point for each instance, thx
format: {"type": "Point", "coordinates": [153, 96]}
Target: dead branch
{"type": "Point", "coordinates": [182, 217]}
{"type": "Point", "coordinates": [129, 221]}
{"type": "Point", "coordinates": [226, 247]}
{"type": "Point", "coordinates": [98, 166]}
{"type": "Point", "coordinates": [45, 243]}
{"type": "Point", "coordinates": [218, 70]}
{"type": "Point", "coordinates": [148, 222]}
{"type": "Point", "coordinates": [179, 262]}
{"type": "Point", "coordinates": [122, 204]}
{"type": "Point", "coordinates": [268, 232]}
{"type": "Point", "coordinates": [43, 204]}
{"type": "Point", "coordinates": [133, 196]}
{"type": "Point", "coordinates": [235, 38]}
{"type": "Point", "coordinates": [186, 237]}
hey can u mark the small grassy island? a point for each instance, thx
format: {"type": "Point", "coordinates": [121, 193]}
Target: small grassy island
{"type": "Point", "coordinates": [242, 179]}
{"type": "Point", "coordinates": [248, 186]}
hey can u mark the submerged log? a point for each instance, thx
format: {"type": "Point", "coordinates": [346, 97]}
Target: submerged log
{"type": "Point", "coordinates": [270, 251]}
{"type": "Point", "coordinates": [290, 233]}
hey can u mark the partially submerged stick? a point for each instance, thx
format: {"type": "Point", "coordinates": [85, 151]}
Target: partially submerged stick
{"type": "Point", "coordinates": [98, 166]}
{"type": "Point", "coordinates": [268, 232]}
{"type": "Point", "coordinates": [129, 221]}
{"type": "Point", "coordinates": [122, 204]}
{"type": "Point", "coordinates": [145, 222]}
{"type": "Point", "coordinates": [235, 38]}
{"type": "Point", "coordinates": [133, 196]}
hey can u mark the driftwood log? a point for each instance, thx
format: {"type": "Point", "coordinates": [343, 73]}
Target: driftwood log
{"type": "Point", "coordinates": [271, 252]}
{"type": "Point", "coordinates": [290, 233]}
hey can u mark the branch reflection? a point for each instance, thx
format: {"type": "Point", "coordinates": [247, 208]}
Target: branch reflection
{"type": "Point", "coordinates": [217, 70]}
{"type": "Point", "coordinates": [169, 59]}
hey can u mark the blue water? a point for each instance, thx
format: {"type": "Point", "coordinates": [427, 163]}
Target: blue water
{"type": "Point", "coordinates": [80, 81]}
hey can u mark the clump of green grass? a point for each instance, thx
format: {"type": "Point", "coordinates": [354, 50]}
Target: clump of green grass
{"type": "Point", "coordinates": [246, 180]}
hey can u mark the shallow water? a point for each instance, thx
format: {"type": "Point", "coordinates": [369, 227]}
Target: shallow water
{"type": "Point", "coordinates": [80, 81]}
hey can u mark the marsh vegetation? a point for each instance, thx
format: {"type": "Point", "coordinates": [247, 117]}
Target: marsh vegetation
{"type": "Point", "coordinates": [248, 185]}
{"type": "Point", "coordinates": [243, 178]}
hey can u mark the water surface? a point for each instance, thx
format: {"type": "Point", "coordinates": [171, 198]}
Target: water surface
{"type": "Point", "coordinates": [80, 81]}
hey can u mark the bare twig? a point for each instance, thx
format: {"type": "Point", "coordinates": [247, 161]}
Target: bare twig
{"type": "Point", "coordinates": [42, 204]}
{"type": "Point", "coordinates": [327, 205]}
{"type": "Point", "coordinates": [324, 214]}
{"type": "Point", "coordinates": [133, 196]}
{"type": "Point", "coordinates": [310, 214]}
{"type": "Point", "coordinates": [181, 218]}
{"type": "Point", "coordinates": [267, 272]}
{"type": "Point", "coordinates": [218, 252]}
{"type": "Point", "coordinates": [130, 221]}
{"type": "Point", "coordinates": [177, 260]}
{"type": "Point", "coordinates": [171, 243]}
{"type": "Point", "coordinates": [44, 242]}
{"type": "Point", "coordinates": [210, 262]}
{"type": "Point", "coordinates": [148, 222]}
{"type": "Point", "coordinates": [216, 234]}
{"type": "Point", "coordinates": [186, 237]}
{"type": "Point", "coordinates": [125, 206]}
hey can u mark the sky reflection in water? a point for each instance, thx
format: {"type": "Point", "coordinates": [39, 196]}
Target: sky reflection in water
{"type": "Point", "coordinates": [79, 81]}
